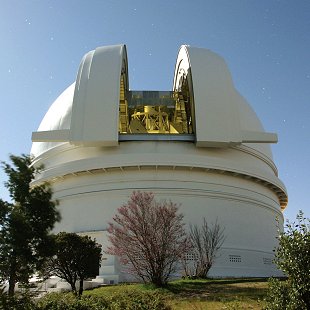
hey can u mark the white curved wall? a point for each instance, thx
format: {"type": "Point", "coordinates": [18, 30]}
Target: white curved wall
{"type": "Point", "coordinates": [206, 183]}
{"type": "Point", "coordinates": [247, 211]}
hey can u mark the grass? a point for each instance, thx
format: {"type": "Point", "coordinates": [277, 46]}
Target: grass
{"type": "Point", "coordinates": [201, 294]}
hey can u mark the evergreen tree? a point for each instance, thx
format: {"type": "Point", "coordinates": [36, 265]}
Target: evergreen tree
{"type": "Point", "coordinates": [25, 224]}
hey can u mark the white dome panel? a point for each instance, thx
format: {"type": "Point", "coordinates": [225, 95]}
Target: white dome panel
{"type": "Point", "coordinates": [57, 117]}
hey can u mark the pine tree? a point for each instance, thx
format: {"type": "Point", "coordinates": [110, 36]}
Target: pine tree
{"type": "Point", "coordinates": [25, 223]}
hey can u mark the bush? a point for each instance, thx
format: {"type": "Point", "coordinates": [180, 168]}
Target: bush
{"type": "Point", "coordinates": [68, 301]}
{"type": "Point", "coordinates": [138, 300]}
{"type": "Point", "coordinates": [277, 296]}
{"type": "Point", "coordinates": [293, 258]}
{"type": "Point", "coordinates": [283, 295]}
{"type": "Point", "coordinates": [126, 300]}
{"type": "Point", "coordinates": [17, 302]}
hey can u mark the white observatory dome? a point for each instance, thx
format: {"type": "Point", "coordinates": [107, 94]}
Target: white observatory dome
{"type": "Point", "coordinates": [200, 144]}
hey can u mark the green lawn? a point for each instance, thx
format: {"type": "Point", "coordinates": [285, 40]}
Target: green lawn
{"type": "Point", "coordinates": [201, 294]}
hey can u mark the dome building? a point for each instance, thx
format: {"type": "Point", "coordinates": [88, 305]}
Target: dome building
{"type": "Point", "coordinates": [200, 145]}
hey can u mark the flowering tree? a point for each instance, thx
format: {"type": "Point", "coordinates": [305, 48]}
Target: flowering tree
{"type": "Point", "coordinates": [149, 237]}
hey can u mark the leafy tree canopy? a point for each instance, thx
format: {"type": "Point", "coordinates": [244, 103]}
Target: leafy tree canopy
{"type": "Point", "coordinates": [25, 224]}
{"type": "Point", "coordinates": [76, 259]}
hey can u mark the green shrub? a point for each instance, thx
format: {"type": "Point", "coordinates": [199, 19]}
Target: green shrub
{"type": "Point", "coordinates": [126, 300]}
{"type": "Point", "coordinates": [138, 300]}
{"type": "Point", "coordinates": [68, 301]}
{"type": "Point", "coordinates": [293, 258]}
{"type": "Point", "coordinates": [17, 302]}
{"type": "Point", "coordinates": [277, 295]}
{"type": "Point", "coordinates": [284, 295]}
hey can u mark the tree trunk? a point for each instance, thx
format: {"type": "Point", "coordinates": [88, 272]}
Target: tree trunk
{"type": "Point", "coordinates": [12, 282]}
{"type": "Point", "coordinates": [73, 288]}
{"type": "Point", "coordinates": [81, 288]}
{"type": "Point", "coordinates": [12, 279]}
{"type": "Point", "coordinates": [158, 281]}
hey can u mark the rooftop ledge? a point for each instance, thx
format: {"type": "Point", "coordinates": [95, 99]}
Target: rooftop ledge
{"type": "Point", "coordinates": [156, 137]}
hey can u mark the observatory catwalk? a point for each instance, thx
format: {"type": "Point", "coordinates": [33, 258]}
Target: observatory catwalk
{"type": "Point", "coordinates": [199, 144]}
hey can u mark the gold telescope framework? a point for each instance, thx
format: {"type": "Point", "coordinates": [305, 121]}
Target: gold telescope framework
{"type": "Point", "coordinates": [154, 112]}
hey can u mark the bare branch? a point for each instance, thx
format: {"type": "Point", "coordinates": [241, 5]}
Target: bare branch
{"type": "Point", "coordinates": [206, 242]}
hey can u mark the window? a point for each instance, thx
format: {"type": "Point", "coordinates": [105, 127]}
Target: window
{"type": "Point", "coordinates": [267, 261]}
{"type": "Point", "coordinates": [191, 257]}
{"type": "Point", "coordinates": [235, 258]}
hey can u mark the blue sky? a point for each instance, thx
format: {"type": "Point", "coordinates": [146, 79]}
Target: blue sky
{"type": "Point", "coordinates": [266, 45]}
